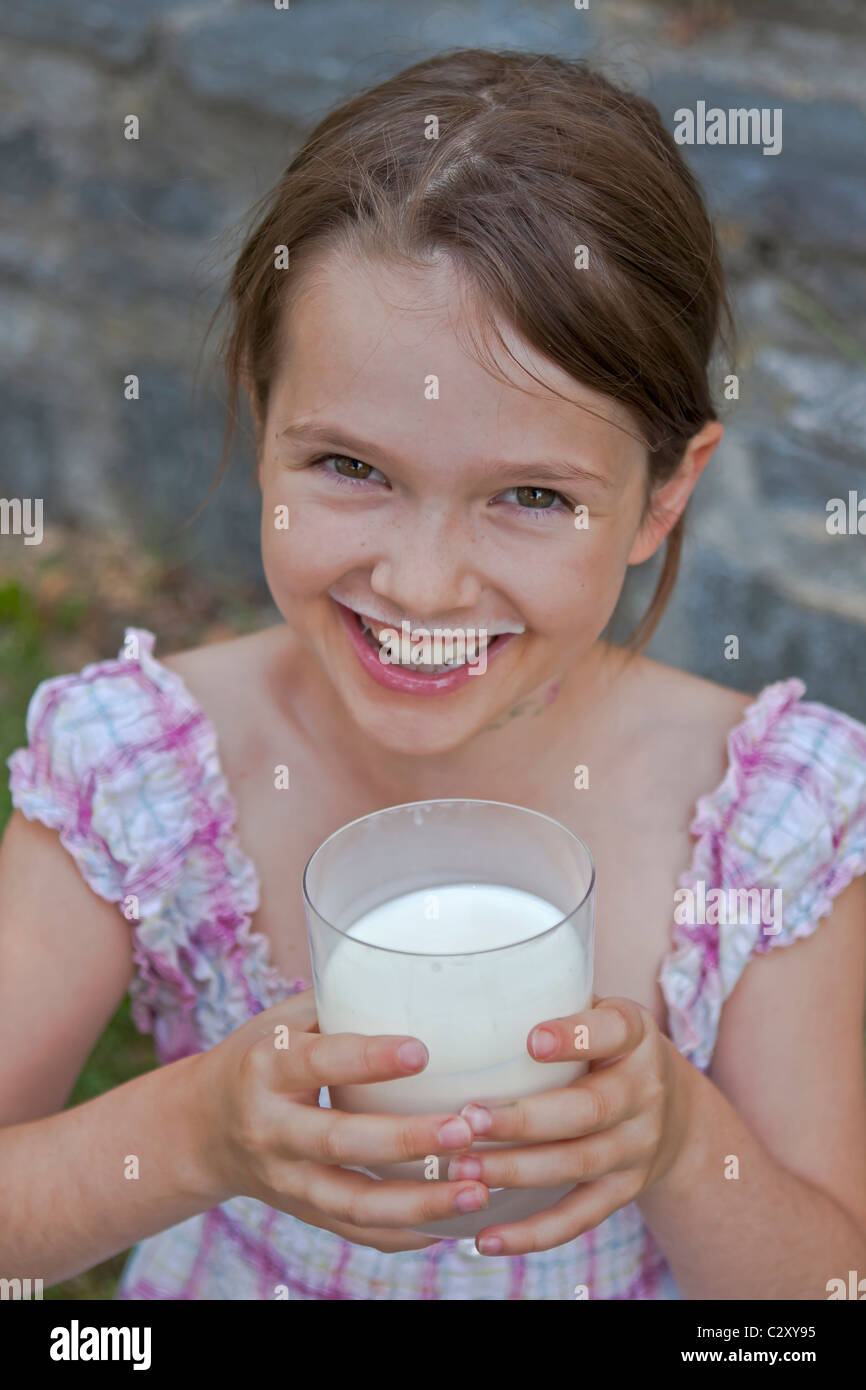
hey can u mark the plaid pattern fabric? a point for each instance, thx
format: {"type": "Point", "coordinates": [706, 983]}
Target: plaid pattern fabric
{"type": "Point", "coordinates": [123, 763]}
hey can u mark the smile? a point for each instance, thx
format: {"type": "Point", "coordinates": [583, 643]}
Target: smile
{"type": "Point", "coordinates": [399, 661]}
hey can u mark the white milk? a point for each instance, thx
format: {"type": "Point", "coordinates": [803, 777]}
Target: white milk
{"type": "Point", "coordinates": [471, 1004]}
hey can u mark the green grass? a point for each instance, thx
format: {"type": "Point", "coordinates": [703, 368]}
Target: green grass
{"type": "Point", "coordinates": [24, 662]}
{"type": "Point", "coordinates": [121, 1052]}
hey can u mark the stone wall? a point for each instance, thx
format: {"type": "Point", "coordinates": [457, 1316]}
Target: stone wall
{"type": "Point", "coordinates": [113, 253]}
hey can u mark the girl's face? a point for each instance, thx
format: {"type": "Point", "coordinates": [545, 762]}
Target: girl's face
{"type": "Point", "coordinates": [420, 488]}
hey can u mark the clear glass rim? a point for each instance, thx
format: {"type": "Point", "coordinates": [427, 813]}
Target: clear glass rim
{"type": "Point", "coordinates": [451, 801]}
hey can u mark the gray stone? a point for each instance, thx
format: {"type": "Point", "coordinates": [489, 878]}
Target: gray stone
{"type": "Point", "coordinates": [827, 398]}
{"type": "Point", "coordinates": [778, 638]}
{"type": "Point", "coordinates": [28, 443]}
{"type": "Point", "coordinates": [796, 475]}
{"type": "Point", "coordinates": [807, 304]}
{"type": "Point", "coordinates": [183, 206]}
{"type": "Point", "coordinates": [296, 64]}
{"type": "Point", "coordinates": [801, 51]}
{"type": "Point", "coordinates": [119, 34]}
{"type": "Point", "coordinates": [26, 166]}
{"type": "Point", "coordinates": [170, 445]}
{"type": "Point", "coordinates": [811, 194]}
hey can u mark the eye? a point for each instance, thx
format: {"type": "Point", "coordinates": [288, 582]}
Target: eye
{"type": "Point", "coordinates": [347, 470]}
{"type": "Point", "coordinates": [538, 499]}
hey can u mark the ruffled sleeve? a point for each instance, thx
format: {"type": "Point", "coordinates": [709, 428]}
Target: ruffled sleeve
{"type": "Point", "coordinates": [123, 763]}
{"type": "Point", "coordinates": [60, 777]}
{"type": "Point", "coordinates": [776, 843]}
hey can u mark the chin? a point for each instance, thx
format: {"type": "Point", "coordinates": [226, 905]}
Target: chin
{"type": "Point", "coordinates": [416, 734]}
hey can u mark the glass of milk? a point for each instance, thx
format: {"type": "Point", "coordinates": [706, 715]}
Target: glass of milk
{"type": "Point", "coordinates": [463, 923]}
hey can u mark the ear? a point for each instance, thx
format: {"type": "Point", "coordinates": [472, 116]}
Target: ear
{"type": "Point", "coordinates": [669, 501]}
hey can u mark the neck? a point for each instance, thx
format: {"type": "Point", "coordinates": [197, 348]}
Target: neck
{"type": "Point", "coordinates": [518, 752]}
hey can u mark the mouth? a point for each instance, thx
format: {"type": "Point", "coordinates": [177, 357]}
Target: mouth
{"type": "Point", "coordinates": [415, 678]}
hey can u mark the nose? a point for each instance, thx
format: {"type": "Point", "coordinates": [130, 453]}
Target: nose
{"type": "Point", "coordinates": [423, 571]}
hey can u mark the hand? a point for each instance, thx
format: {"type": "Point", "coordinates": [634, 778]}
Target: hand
{"type": "Point", "coordinates": [614, 1131]}
{"type": "Point", "coordinates": [267, 1137]}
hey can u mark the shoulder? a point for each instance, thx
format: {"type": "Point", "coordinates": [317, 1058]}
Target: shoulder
{"type": "Point", "coordinates": [673, 730]}
{"type": "Point", "coordinates": [97, 749]}
{"type": "Point", "coordinates": [121, 756]}
{"type": "Point", "coordinates": [81, 720]}
{"type": "Point", "coordinates": [743, 752]}
{"type": "Point", "coordinates": [685, 704]}
{"type": "Point", "coordinates": [792, 804]}
{"type": "Point", "coordinates": [789, 811]}
{"type": "Point", "coordinates": [238, 684]}
{"type": "Point", "coordinates": [776, 842]}
{"type": "Point", "coordinates": [230, 666]}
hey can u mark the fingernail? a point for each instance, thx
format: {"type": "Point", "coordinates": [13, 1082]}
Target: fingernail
{"type": "Point", "coordinates": [470, 1199]}
{"type": "Point", "coordinates": [490, 1245]}
{"type": "Point", "coordinates": [412, 1054]}
{"type": "Point", "coordinates": [543, 1043]}
{"type": "Point", "coordinates": [454, 1134]}
{"type": "Point", "coordinates": [466, 1167]}
{"type": "Point", "coordinates": [479, 1118]}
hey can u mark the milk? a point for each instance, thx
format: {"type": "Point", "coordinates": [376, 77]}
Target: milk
{"type": "Point", "coordinates": [429, 964]}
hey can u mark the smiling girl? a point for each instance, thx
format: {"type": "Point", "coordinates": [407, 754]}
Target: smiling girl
{"type": "Point", "coordinates": [481, 390]}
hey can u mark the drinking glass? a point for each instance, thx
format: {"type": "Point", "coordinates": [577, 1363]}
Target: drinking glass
{"type": "Point", "coordinates": [473, 1009]}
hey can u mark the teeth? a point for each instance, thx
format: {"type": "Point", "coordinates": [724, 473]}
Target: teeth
{"type": "Point", "coordinates": [473, 650]}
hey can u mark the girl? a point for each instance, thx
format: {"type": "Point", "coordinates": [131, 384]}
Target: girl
{"type": "Point", "coordinates": [477, 365]}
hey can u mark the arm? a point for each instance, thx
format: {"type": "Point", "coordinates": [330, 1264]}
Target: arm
{"type": "Point", "coordinates": [795, 1119]}
{"type": "Point", "coordinates": [65, 964]}
{"type": "Point", "coordinates": [239, 1119]}
{"type": "Point", "coordinates": [67, 1202]}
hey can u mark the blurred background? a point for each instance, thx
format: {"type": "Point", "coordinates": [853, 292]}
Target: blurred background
{"type": "Point", "coordinates": [113, 254]}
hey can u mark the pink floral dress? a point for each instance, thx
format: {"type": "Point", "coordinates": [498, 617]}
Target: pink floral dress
{"type": "Point", "coordinates": [124, 763]}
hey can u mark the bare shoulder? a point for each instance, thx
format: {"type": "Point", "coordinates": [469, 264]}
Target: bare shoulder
{"type": "Point", "coordinates": [691, 702]}
{"type": "Point", "coordinates": [678, 727]}
{"type": "Point", "coordinates": [215, 661]}
{"type": "Point", "coordinates": [220, 658]}
{"type": "Point", "coordinates": [230, 681]}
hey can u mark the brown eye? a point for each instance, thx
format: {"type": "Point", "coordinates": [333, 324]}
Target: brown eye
{"type": "Point", "coordinates": [538, 498]}
{"type": "Point", "coordinates": [352, 468]}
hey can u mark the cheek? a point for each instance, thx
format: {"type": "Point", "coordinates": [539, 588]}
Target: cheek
{"type": "Point", "coordinates": [576, 588]}
{"type": "Point", "coordinates": [318, 546]}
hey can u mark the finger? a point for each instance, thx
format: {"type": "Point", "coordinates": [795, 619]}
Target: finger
{"type": "Point", "coordinates": [610, 1029]}
{"type": "Point", "coordinates": [347, 1059]}
{"type": "Point", "coordinates": [574, 1214]}
{"type": "Point", "coordinates": [358, 1200]}
{"type": "Point", "coordinates": [550, 1165]}
{"type": "Point", "coordinates": [387, 1239]}
{"type": "Point", "coordinates": [297, 1013]}
{"type": "Point", "coordinates": [593, 1102]}
{"type": "Point", "coordinates": [338, 1137]}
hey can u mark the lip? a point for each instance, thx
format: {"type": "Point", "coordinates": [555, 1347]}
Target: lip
{"type": "Point", "coordinates": [405, 682]}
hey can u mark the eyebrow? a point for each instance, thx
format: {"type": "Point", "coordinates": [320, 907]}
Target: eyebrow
{"type": "Point", "coordinates": [558, 470]}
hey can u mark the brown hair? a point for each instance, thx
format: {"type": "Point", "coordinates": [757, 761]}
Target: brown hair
{"type": "Point", "coordinates": [535, 156]}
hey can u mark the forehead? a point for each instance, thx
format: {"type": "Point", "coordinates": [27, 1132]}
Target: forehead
{"type": "Point", "coordinates": [363, 340]}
